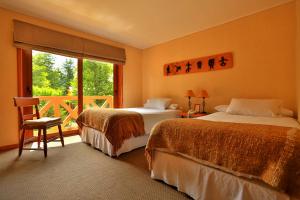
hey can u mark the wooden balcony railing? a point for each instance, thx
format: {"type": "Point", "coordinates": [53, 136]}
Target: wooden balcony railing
{"type": "Point", "coordinates": [66, 107]}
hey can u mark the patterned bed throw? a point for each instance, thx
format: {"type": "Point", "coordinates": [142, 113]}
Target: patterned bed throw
{"type": "Point", "coordinates": [268, 153]}
{"type": "Point", "coordinates": [116, 125]}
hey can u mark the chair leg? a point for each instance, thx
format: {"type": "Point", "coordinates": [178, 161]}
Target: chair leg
{"type": "Point", "coordinates": [39, 138]}
{"type": "Point", "coordinates": [45, 141]}
{"type": "Point", "coordinates": [21, 142]}
{"type": "Point", "coordinates": [61, 136]}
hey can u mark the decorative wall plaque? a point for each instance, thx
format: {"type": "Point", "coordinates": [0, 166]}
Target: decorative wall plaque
{"type": "Point", "coordinates": [203, 64]}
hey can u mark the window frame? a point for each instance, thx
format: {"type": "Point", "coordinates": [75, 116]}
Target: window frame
{"type": "Point", "coordinates": [24, 75]}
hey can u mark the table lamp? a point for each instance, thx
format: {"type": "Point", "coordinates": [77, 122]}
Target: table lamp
{"type": "Point", "coordinates": [203, 94]}
{"type": "Point", "coordinates": [189, 94]}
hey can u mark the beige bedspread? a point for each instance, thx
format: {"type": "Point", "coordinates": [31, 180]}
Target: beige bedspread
{"type": "Point", "coordinates": [268, 153]}
{"type": "Point", "coordinates": [116, 125]}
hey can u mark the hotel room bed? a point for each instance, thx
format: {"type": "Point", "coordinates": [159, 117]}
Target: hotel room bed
{"type": "Point", "coordinates": [201, 180]}
{"type": "Point", "coordinates": [150, 117]}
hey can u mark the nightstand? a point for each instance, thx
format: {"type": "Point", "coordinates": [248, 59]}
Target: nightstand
{"type": "Point", "coordinates": [185, 115]}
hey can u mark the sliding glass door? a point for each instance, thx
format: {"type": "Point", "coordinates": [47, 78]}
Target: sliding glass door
{"type": "Point", "coordinates": [98, 84]}
{"type": "Point", "coordinates": [67, 85]}
{"type": "Point", "coordinates": [54, 82]}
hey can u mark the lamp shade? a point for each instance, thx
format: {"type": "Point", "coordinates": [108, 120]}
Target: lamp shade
{"type": "Point", "coordinates": [203, 94]}
{"type": "Point", "coordinates": [189, 93]}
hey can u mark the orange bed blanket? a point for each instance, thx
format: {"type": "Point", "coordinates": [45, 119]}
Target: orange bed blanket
{"type": "Point", "coordinates": [116, 125]}
{"type": "Point", "coordinates": [268, 153]}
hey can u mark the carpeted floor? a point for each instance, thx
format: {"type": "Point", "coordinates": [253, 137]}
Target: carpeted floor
{"type": "Point", "coordinates": [78, 171]}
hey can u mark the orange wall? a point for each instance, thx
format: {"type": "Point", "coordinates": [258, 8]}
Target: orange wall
{"type": "Point", "coordinates": [8, 71]}
{"type": "Point", "coordinates": [298, 55]}
{"type": "Point", "coordinates": [263, 45]}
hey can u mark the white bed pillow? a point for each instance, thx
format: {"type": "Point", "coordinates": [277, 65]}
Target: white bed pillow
{"type": "Point", "coordinates": [286, 112]}
{"type": "Point", "coordinates": [158, 103]}
{"type": "Point", "coordinates": [255, 107]}
{"type": "Point", "coordinates": [221, 108]}
{"type": "Point", "coordinates": [283, 111]}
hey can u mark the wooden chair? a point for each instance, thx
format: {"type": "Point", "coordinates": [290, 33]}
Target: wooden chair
{"type": "Point", "coordinates": [28, 123]}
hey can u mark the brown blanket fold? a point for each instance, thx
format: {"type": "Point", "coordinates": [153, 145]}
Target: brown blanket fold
{"type": "Point", "coordinates": [268, 153]}
{"type": "Point", "coordinates": [116, 125]}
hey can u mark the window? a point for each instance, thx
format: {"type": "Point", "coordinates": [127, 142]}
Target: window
{"type": "Point", "coordinates": [98, 84]}
{"type": "Point", "coordinates": [53, 80]}
{"type": "Point", "coordinates": [67, 85]}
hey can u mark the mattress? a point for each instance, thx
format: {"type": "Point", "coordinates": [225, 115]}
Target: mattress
{"type": "Point", "coordinates": [150, 116]}
{"type": "Point", "coordinates": [203, 182]}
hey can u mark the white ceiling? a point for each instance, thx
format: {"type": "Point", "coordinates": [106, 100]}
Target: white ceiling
{"type": "Point", "coordinates": [139, 23]}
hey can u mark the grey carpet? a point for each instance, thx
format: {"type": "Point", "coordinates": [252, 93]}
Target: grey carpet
{"type": "Point", "coordinates": [78, 171]}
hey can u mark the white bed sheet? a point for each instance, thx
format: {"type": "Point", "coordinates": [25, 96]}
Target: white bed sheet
{"type": "Point", "coordinates": [150, 116]}
{"type": "Point", "coordinates": [203, 182]}
{"type": "Point", "coordinates": [97, 140]}
{"type": "Point", "coordinates": [207, 183]}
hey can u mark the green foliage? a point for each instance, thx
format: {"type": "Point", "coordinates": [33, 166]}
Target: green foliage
{"type": "Point", "coordinates": [40, 76]}
{"type": "Point", "coordinates": [46, 80]}
{"type": "Point", "coordinates": [44, 59]}
{"type": "Point", "coordinates": [97, 78]}
{"type": "Point", "coordinates": [67, 74]}
{"type": "Point", "coordinates": [50, 80]}
{"type": "Point", "coordinates": [55, 78]}
{"type": "Point", "coordinates": [45, 91]}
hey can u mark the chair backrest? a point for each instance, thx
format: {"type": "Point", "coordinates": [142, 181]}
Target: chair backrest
{"type": "Point", "coordinates": [23, 102]}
